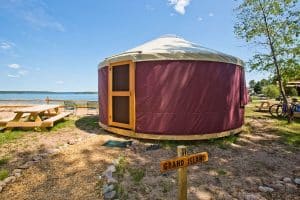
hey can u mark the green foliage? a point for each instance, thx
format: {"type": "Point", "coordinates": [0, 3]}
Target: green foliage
{"type": "Point", "coordinates": [63, 124]}
{"type": "Point", "coordinates": [121, 167]}
{"type": "Point", "coordinates": [10, 136]}
{"type": "Point", "coordinates": [4, 160]}
{"type": "Point", "coordinates": [3, 174]}
{"type": "Point", "coordinates": [252, 83]}
{"type": "Point", "coordinates": [257, 88]}
{"type": "Point", "coordinates": [292, 92]}
{"type": "Point", "coordinates": [271, 91]}
{"type": "Point", "coordinates": [137, 174]}
{"type": "Point", "coordinates": [273, 28]}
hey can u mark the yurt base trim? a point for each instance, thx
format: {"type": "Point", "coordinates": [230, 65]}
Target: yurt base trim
{"type": "Point", "coordinates": [133, 134]}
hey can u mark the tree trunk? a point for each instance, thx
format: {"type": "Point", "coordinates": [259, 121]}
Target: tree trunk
{"type": "Point", "coordinates": [279, 77]}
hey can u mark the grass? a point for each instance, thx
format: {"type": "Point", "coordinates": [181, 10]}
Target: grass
{"type": "Point", "coordinates": [288, 132]}
{"type": "Point", "coordinates": [137, 174]}
{"type": "Point", "coordinates": [4, 160]}
{"type": "Point", "coordinates": [3, 174]}
{"type": "Point", "coordinates": [10, 136]}
{"type": "Point", "coordinates": [121, 167]}
{"type": "Point", "coordinates": [224, 143]}
{"type": "Point", "coordinates": [221, 172]}
{"type": "Point", "coordinates": [63, 124]}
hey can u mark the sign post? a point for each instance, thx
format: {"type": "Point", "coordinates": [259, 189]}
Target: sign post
{"type": "Point", "coordinates": [181, 163]}
{"type": "Point", "coordinates": [182, 175]}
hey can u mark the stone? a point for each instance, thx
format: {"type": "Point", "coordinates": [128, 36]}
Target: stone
{"type": "Point", "coordinates": [279, 186]}
{"type": "Point", "coordinates": [1, 188]}
{"type": "Point", "coordinates": [195, 167]}
{"type": "Point", "coordinates": [110, 195]}
{"type": "Point", "coordinates": [17, 175]}
{"type": "Point", "coordinates": [253, 197]}
{"type": "Point", "coordinates": [36, 158]}
{"type": "Point", "coordinates": [26, 165]}
{"type": "Point", "coordinates": [287, 180]}
{"type": "Point", "coordinates": [265, 189]}
{"type": "Point", "coordinates": [290, 187]}
{"type": "Point", "coordinates": [9, 179]}
{"type": "Point", "coordinates": [297, 181]}
{"type": "Point", "coordinates": [108, 188]}
{"type": "Point", "coordinates": [111, 168]}
{"type": "Point", "coordinates": [2, 183]}
{"type": "Point", "coordinates": [17, 171]}
{"type": "Point", "coordinates": [71, 142]}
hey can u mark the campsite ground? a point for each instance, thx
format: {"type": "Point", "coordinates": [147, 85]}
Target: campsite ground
{"type": "Point", "coordinates": [68, 160]}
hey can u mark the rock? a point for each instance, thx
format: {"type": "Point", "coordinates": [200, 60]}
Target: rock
{"type": "Point", "coordinates": [291, 187]}
{"type": "Point", "coordinates": [17, 171]}
{"type": "Point", "coordinates": [108, 188]}
{"type": "Point", "coordinates": [287, 180]}
{"type": "Point", "coordinates": [110, 195]}
{"type": "Point", "coordinates": [2, 183]}
{"type": "Point", "coordinates": [26, 165]}
{"type": "Point", "coordinates": [111, 168]}
{"type": "Point", "coordinates": [9, 179]}
{"type": "Point", "coordinates": [150, 147]}
{"type": "Point", "coordinates": [17, 175]}
{"type": "Point", "coordinates": [1, 189]}
{"type": "Point", "coordinates": [253, 197]}
{"type": "Point", "coordinates": [195, 167]}
{"type": "Point", "coordinates": [111, 180]}
{"type": "Point", "coordinates": [37, 158]}
{"type": "Point", "coordinates": [265, 189]}
{"type": "Point", "coordinates": [279, 186]}
{"type": "Point", "coordinates": [71, 142]}
{"type": "Point", "coordinates": [297, 181]}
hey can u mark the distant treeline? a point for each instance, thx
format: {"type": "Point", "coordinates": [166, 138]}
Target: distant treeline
{"type": "Point", "coordinates": [44, 92]}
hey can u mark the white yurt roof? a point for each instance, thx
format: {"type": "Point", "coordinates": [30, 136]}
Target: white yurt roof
{"type": "Point", "coordinates": [171, 47]}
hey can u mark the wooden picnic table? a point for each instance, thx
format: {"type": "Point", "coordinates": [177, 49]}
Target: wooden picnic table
{"type": "Point", "coordinates": [36, 116]}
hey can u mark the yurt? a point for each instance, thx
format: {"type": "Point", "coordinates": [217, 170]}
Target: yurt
{"type": "Point", "coordinates": [172, 89]}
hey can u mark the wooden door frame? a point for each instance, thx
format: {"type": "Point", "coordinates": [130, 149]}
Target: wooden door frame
{"type": "Point", "coordinates": [130, 94]}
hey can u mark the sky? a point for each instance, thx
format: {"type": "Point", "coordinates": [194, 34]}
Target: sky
{"type": "Point", "coordinates": [56, 45]}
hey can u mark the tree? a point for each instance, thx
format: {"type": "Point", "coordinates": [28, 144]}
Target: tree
{"type": "Point", "coordinates": [273, 26]}
{"type": "Point", "coordinates": [271, 91]}
{"type": "Point", "coordinates": [252, 83]}
{"type": "Point", "coordinates": [257, 88]}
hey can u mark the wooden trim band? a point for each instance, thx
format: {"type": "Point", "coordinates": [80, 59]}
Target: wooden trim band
{"type": "Point", "coordinates": [130, 133]}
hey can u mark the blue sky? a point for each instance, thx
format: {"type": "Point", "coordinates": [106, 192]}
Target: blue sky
{"type": "Point", "coordinates": [56, 45]}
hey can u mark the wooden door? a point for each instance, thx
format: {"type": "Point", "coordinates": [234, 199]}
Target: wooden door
{"type": "Point", "coordinates": [121, 108]}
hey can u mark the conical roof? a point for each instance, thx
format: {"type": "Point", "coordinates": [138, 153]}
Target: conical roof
{"type": "Point", "coordinates": [171, 47]}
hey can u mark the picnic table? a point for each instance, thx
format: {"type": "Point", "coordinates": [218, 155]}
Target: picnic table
{"type": "Point", "coordinates": [36, 116]}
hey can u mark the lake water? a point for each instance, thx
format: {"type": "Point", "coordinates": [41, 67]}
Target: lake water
{"type": "Point", "coordinates": [50, 95]}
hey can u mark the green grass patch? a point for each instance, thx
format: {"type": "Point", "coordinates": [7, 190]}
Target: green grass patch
{"type": "Point", "coordinates": [137, 174]}
{"type": "Point", "coordinates": [10, 136]}
{"type": "Point", "coordinates": [3, 174]}
{"type": "Point", "coordinates": [221, 172]}
{"type": "Point", "coordinates": [121, 167]}
{"type": "Point", "coordinates": [224, 143]}
{"type": "Point", "coordinates": [4, 160]}
{"type": "Point", "coordinates": [68, 123]}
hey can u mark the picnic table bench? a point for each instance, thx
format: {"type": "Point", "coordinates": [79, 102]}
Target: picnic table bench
{"type": "Point", "coordinates": [35, 116]}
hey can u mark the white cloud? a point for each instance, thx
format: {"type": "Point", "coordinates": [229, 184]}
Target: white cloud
{"type": "Point", "coordinates": [199, 18]}
{"type": "Point", "coordinates": [6, 45]}
{"type": "Point", "coordinates": [14, 66]}
{"type": "Point", "coordinates": [179, 5]}
{"type": "Point", "coordinates": [13, 76]}
{"type": "Point", "coordinates": [34, 12]}
{"type": "Point", "coordinates": [211, 14]}
{"type": "Point", "coordinates": [59, 82]}
{"type": "Point", "coordinates": [23, 72]}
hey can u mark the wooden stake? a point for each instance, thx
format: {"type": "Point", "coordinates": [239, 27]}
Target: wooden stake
{"type": "Point", "coordinates": [182, 175]}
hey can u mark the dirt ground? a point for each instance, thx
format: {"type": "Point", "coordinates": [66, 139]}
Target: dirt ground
{"type": "Point", "coordinates": [76, 159]}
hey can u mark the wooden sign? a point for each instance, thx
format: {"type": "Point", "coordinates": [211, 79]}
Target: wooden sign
{"type": "Point", "coordinates": [183, 161]}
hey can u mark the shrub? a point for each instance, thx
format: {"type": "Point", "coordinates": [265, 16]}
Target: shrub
{"type": "Point", "coordinates": [271, 91]}
{"type": "Point", "coordinates": [291, 92]}
{"type": "Point", "coordinates": [3, 174]}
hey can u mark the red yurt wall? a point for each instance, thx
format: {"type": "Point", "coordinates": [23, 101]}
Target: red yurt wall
{"type": "Point", "coordinates": [184, 97]}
